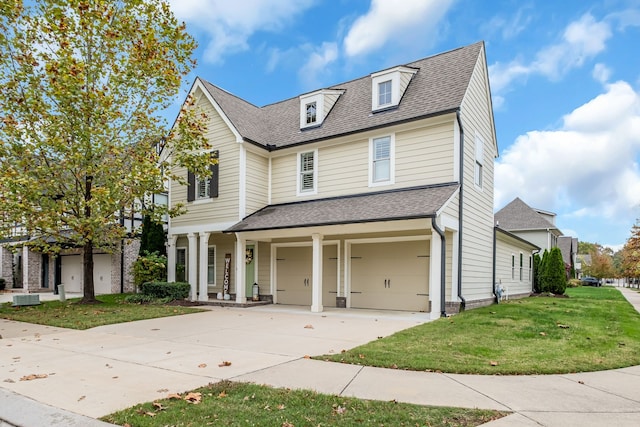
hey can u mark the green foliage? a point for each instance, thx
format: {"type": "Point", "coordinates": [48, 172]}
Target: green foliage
{"type": "Point", "coordinates": [574, 283]}
{"type": "Point", "coordinates": [145, 299]}
{"type": "Point", "coordinates": [235, 404]}
{"type": "Point", "coordinates": [149, 267]}
{"type": "Point", "coordinates": [83, 88]}
{"type": "Point", "coordinates": [153, 237]}
{"type": "Point", "coordinates": [555, 276]}
{"type": "Point", "coordinates": [591, 329]}
{"type": "Point", "coordinates": [542, 271]}
{"type": "Point", "coordinates": [172, 290]}
{"type": "Point", "coordinates": [70, 314]}
{"type": "Point", "coordinates": [536, 272]}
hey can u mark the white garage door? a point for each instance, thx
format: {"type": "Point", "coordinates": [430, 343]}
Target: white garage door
{"type": "Point", "coordinates": [71, 274]}
{"type": "Point", "coordinates": [294, 267]}
{"type": "Point", "coordinates": [392, 276]}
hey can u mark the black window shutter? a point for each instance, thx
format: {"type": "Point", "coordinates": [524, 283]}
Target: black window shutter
{"type": "Point", "coordinates": [215, 175]}
{"type": "Point", "coordinates": [191, 188]}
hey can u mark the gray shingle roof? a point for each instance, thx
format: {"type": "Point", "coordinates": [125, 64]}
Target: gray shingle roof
{"type": "Point", "coordinates": [565, 243]}
{"type": "Point", "coordinates": [411, 203]}
{"type": "Point", "coordinates": [517, 215]}
{"type": "Point", "coordinates": [438, 87]}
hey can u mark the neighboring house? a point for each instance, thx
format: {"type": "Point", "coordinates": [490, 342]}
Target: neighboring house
{"type": "Point", "coordinates": [374, 193]}
{"type": "Point", "coordinates": [569, 247]}
{"type": "Point", "coordinates": [533, 225]}
{"type": "Point", "coordinates": [513, 264]}
{"type": "Point", "coordinates": [26, 269]}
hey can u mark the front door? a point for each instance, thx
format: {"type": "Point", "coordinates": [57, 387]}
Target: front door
{"type": "Point", "coordinates": [250, 270]}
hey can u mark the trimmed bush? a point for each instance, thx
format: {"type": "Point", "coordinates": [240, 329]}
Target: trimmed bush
{"type": "Point", "coordinates": [555, 278]}
{"type": "Point", "coordinates": [145, 299]}
{"type": "Point", "coordinates": [149, 267]}
{"type": "Point", "coordinates": [172, 290]}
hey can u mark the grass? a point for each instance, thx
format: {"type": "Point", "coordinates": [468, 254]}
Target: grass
{"type": "Point", "coordinates": [241, 404]}
{"type": "Point", "coordinates": [70, 314]}
{"type": "Point", "coordinates": [592, 330]}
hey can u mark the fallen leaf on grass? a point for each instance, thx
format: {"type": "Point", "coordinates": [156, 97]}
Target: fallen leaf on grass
{"type": "Point", "coordinates": [173, 396]}
{"type": "Point", "coordinates": [563, 326]}
{"type": "Point", "coordinates": [33, 377]}
{"type": "Point", "coordinates": [158, 406]}
{"type": "Point", "coordinates": [493, 363]}
{"type": "Point", "coordinates": [225, 363]}
{"type": "Point", "coordinates": [194, 398]}
{"type": "Point", "coordinates": [222, 394]}
{"type": "Point", "coordinates": [151, 414]}
{"type": "Point", "coordinates": [287, 424]}
{"type": "Point", "coordinates": [361, 356]}
{"type": "Point", "coordinates": [306, 356]}
{"type": "Point", "coordinates": [281, 406]}
{"type": "Point", "coordinates": [340, 410]}
{"type": "Point", "coordinates": [544, 334]}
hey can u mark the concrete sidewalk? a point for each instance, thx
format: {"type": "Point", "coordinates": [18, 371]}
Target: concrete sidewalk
{"type": "Point", "coordinates": [96, 372]}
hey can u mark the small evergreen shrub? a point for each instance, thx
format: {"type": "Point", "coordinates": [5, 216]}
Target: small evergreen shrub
{"type": "Point", "coordinates": [172, 290]}
{"type": "Point", "coordinates": [555, 279]}
{"type": "Point", "coordinates": [149, 267]}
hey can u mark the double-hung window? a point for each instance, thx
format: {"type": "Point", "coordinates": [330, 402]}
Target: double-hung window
{"type": "Point", "coordinates": [311, 113]}
{"type": "Point", "coordinates": [203, 188]}
{"type": "Point", "coordinates": [384, 93]}
{"type": "Point", "coordinates": [513, 266]}
{"type": "Point", "coordinates": [307, 172]}
{"type": "Point", "coordinates": [211, 265]}
{"type": "Point", "coordinates": [381, 153]}
{"type": "Point", "coordinates": [521, 267]}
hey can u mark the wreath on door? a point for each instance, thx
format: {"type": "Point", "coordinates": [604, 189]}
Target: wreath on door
{"type": "Point", "coordinates": [248, 256]}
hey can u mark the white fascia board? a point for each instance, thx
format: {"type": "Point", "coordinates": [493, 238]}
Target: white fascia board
{"type": "Point", "coordinates": [209, 228]}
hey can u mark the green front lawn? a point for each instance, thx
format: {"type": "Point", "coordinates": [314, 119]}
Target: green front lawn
{"type": "Point", "coordinates": [593, 329]}
{"type": "Point", "coordinates": [70, 314]}
{"type": "Point", "coordinates": [241, 404]}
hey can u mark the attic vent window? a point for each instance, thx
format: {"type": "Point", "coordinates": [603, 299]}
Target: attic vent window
{"type": "Point", "coordinates": [311, 112]}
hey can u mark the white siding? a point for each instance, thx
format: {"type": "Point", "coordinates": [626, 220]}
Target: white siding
{"type": "Point", "coordinates": [477, 245]}
{"type": "Point", "coordinates": [225, 207]}
{"type": "Point", "coordinates": [424, 155]}
{"type": "Point", "coordinates": [257, 182]}
{"type": "Point", "coordinates": [510, 280]}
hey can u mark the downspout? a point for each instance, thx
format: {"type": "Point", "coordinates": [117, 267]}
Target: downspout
{"type": "Point", "coordinates": [443, 254]}
{"type": "Point", "coordinates": [460, 193]}
{"type": "Point", "coordinates": [493, 274]}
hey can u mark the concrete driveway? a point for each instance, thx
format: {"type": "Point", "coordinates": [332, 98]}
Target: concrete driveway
{"type": "Point", "coordinates": [101, 370]}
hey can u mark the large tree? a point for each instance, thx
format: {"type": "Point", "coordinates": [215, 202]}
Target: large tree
{"type": "Point", "coordinates": [83, 85]}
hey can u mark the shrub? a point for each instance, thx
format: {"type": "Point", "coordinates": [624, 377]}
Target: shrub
{"type": "Point", "coordinates": [172, 290]}
{"type": "Point", "coordinates": [152, 238]}
{"type": "Point", "coordinates": [149, 267]}
{"type": "Point", "coordinates": [555, 277]}
{"type": "Point", "coordinates": [574, 283]}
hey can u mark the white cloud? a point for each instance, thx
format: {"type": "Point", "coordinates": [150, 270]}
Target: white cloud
{"type": "Point", "coordinates": [317, 64]}
{"type": "Point", "coordinates": [387, 20]}
{"type": "Point", "coordinates": [509, 28]}
{"type": "Point", "coordinates": [601, 73]}
{"type": "Point", "coordinates": [581, 40]}
{"type": "Point", "coordinates": [228, 25]}
{"type": "Point", "coordinates": [587, 168]}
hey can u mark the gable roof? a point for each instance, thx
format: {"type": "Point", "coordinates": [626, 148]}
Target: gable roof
{"type": "Point", "coordinates": [565, 243]}
{"type": "Point", "coordinates": [391, 205]}
{"type": "Point", "coordinates": [517, 215]}
{"type": "Point", "coordinates": [437, 88]}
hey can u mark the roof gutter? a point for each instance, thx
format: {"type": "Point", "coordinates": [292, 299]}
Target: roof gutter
{"type": "Point", "coordinates": [463, 301]}
{"type": "Point", "coordinates": [443, 259]}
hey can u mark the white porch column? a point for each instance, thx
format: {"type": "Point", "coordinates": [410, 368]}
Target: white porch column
{"type": "Point", "coordinates": [316, 274]}
{"type": "Point", "coordinates": [434, 275]}
{"type": "Point", "coordinates": [241, 249]}
{"type": "Point", "coordinates": [192, 273]}
{"type": "Point", "coordinates": [171, 257]}
{"type": "Point", "coordinates": [203, 294]}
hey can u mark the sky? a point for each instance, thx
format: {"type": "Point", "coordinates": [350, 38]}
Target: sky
{"type": "Point", "coordinates": [564, 76]}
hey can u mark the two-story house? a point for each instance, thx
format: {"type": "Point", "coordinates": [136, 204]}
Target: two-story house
{"type": "Point", "coordinates": [374, 193]}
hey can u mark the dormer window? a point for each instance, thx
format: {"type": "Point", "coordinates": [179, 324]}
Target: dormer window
{"type": "Point", "coordinates": [388, 87]}
{"type": "Point", "coordinates": [384, 93]}
{"type": "Point", "coordinates": [311, 113]}
{"type": "Point", "coordinates": [315, 106]}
